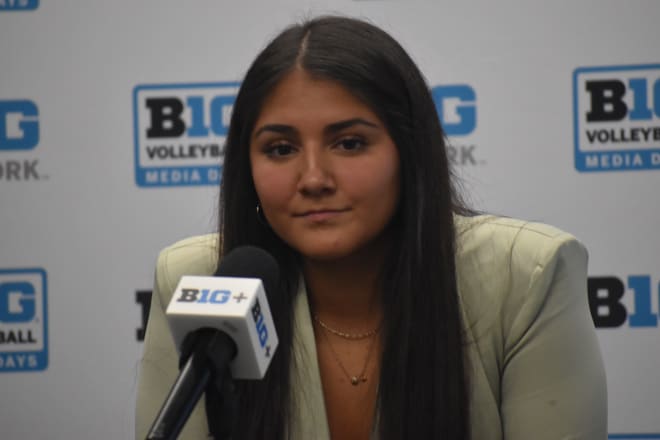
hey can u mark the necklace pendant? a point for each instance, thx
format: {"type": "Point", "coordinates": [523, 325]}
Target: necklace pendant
{"type": "Point", "coordinates": [356, 380]}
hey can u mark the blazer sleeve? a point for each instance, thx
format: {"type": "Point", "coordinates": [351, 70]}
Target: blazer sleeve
{"type": "Point", "coordinates": [159, 363]}
{"type": "Point", "coordinates": [553, 381]}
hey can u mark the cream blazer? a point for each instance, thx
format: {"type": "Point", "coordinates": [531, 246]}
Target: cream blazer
{"type": "Point", "coordinates": [536, 371]}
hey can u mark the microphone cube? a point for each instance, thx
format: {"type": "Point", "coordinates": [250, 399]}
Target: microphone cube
{"type": "Point", "coordinates": [235, 306]}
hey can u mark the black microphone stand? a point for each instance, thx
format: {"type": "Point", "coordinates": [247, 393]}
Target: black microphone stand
{"type": "Point", "coordinates": [206, 365]}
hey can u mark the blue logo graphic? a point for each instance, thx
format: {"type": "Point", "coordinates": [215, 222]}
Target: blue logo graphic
{"type": "Point", "coordinates": [179, 132]}
{"type": "Point", "coordinates": [18, 5]}
{"type": "Point", "coordinates": [19, 125]}
{"type": "Point", "coordinates": [616, 112]}
{"type": "Point", "coordinates": [634, 436]}
{"type": "Point", "coordinates": [260, 324]}
{"type": "Point", "coordinates": [23, 320]}
{"type": "Point", "coordinates": [456, 107]}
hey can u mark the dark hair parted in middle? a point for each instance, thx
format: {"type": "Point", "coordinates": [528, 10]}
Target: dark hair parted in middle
{"type": "Point", "coordinates": [422, 391]}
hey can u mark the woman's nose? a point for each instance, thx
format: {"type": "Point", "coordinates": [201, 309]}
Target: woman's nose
{"type": "Point", "coordinates": [316, 176]}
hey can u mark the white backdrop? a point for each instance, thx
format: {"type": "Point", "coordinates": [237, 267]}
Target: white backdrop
{"type": "Point", "coordinates": [79, 233]}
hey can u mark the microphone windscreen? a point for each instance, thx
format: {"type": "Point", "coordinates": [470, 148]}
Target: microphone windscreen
{"type": "Point", "coordinates": [251, 262]}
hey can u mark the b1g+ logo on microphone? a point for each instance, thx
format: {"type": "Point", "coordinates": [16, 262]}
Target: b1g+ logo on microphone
{"type": "Point", "coordinates": [206, 296]}
{"type": "Point", "coordinates": [18, 5]}
{"type": "Point", "coordinates": [179, 132]}
{"type": "Point", "coordinates": [23, 320]}
{"type": "Point", "coordinates": [616, 113]}
{"type": "Point", "coordinates": [260, 326]}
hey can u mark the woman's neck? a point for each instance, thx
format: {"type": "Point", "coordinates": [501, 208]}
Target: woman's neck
{"type": "Point", "coordinates": [346, 292]}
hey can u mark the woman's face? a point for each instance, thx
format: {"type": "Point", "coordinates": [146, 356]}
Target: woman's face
{"type": "Point", "coordinates": [324, 167]}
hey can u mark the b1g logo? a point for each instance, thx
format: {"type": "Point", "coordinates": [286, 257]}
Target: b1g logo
{"type": "Point", "coordinates": [18, 5]}
{"type": "Point", "coordinates": [610, 307]}
{"type": "Point", "coordinates": [180, 130]}
{"type": "Point", "coordinates": [616, 114]}
{"type": "Point", "coordinates": [260, 326]}
{"type": "Point", "coordinates": [19, 125]}
{"type": "Point", "coordinates": [456, 106]}
{"type": "Point", "coordinates": [635, 436]}
{"type": "Point", "coordinates": [204, 296]}
{"type": "Point", "coordinates": [23, 320]}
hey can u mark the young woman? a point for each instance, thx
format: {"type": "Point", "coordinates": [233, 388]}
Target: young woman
{"type": "Point", "coordinates": [400, 316]}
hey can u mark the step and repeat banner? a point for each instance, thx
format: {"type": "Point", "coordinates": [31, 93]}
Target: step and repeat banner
{"type": "Point", "coordinates": [113, 116]}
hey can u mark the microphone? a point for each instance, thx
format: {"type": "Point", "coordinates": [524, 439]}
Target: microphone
{"type": "Point", "coordinates": [219, 322]}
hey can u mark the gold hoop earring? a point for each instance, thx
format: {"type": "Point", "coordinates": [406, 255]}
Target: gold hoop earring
{"type": "Point", "coordinates": [261, 218]}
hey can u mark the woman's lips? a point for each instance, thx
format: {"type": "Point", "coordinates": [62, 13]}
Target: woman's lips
{"type": "Point", "coordinates": [320, 215]}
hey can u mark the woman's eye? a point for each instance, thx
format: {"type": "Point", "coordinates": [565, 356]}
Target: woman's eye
{"type": "Point", "coordinates": [279, 150]}
{"type": "Point", "coordinates": [351, 144]}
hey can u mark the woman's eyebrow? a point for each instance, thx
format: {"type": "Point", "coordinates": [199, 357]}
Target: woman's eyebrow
{"type": "Point", "coordinates": [341, 125]}
{"type": "Point", "coordinates": [329, 129]}
{"type": "Point", "coordinates": [275, 128]}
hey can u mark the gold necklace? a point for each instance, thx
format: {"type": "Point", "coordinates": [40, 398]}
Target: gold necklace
{"type": "Point", "coordinates": [362, 377]}
{"type": "Point", "coordinates": [351, 336]}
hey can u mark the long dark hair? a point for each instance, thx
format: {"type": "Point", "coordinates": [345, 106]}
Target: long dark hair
{"type": "Point", "coordinates": [423, 385]}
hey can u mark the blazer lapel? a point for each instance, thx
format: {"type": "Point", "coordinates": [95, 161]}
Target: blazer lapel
{"type": "Point", "coordinates": [309, 419]}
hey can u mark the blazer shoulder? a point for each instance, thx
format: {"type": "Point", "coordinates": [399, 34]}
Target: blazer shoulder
{"type": "Point", "coordinates": [516, 243]}
{"type": "Point", "coordinates": [196, 255]}
{"type": "Point", "coordinates": [481, 226]}
{"type": "Point", "coordinates": [506, 265]}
